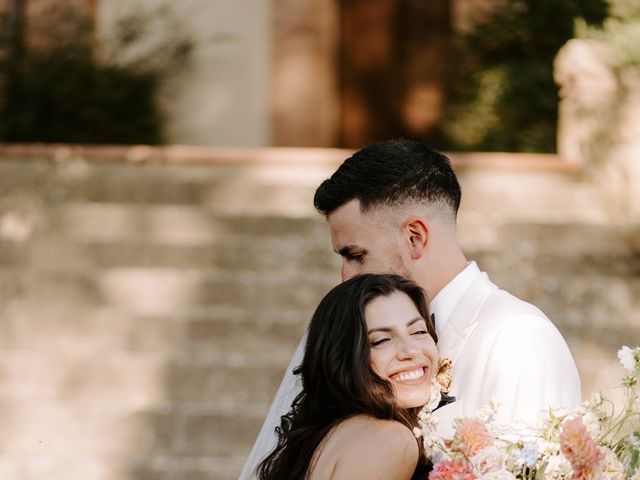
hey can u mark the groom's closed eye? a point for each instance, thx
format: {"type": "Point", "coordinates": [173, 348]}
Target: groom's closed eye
{"type": "Point", "coordinates": [357, 257]}
{"type": "Point", "coordinates": [349, 253]}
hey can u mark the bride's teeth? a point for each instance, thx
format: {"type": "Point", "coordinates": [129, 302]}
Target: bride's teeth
{"type": "Point", "coordinates": [411, 375]}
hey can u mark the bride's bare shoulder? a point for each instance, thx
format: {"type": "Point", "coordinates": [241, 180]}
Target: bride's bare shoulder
{"type": "Point", "coordinates": [366, 447]}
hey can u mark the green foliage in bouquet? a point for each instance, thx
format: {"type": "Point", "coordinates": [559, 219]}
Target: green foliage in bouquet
{"type": "Point", "coordinates": [503, 96]}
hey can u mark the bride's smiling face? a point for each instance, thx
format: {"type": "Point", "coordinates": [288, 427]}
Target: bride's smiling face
{"type": "Point", "coordinates": [402, 351]}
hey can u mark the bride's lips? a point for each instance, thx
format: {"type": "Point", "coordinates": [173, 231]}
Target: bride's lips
{"type": "Point", "coordinates": [410, 376]}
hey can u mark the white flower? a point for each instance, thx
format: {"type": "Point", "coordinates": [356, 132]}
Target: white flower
{"type": "Point", "coordinates": [432, 444]}
{"type": "Point", "coordinates": [557, 467]}
{"type": "Point", "coordinates": [548, 448]}
{"type": "Point", "coordinates": [626, 357]}
{"type": "Point", "coordinates": [592, 422]}
{"type": "Point", "coordinates": [498, 475]}
{"type": "Point", "coordinates": [487, 413]}
{"type": "Point", "coordinates": [427, 429]}
{"type": "Point", "coordinates": [596, 400]}
{"type": "Point", "coordinates": [612, 468]}
{"type": "Point", "coordinates": [489, 459]}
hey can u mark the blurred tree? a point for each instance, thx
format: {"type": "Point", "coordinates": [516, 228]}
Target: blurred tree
{"type": "Point", "coordinates": [502, 95]}
{"type": "Point", "coordinates": [56, 91]}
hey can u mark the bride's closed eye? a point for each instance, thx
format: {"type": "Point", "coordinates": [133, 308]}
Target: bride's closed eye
{"type": "Point", "coordinates": [419, 328]}
{"type": "Point", "coordinates": [378, 341]}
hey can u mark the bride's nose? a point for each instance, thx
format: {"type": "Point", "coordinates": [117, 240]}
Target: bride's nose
{"type": "Point", "coordinates": [407, 348]}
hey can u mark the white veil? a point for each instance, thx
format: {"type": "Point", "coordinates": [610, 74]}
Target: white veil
{"type": "Point", "coordinates": [266, 441]}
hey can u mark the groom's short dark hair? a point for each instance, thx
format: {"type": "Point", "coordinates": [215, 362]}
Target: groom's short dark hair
{"type": "Point", "coordinates": [391, 173]}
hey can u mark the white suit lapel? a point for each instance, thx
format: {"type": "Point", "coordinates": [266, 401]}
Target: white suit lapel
{"type": "Point", "coordinates": [464, 317]}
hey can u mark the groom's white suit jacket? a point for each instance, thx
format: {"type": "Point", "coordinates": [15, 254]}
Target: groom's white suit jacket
{"type": "Point", "coordinates": [505, 349]}
{"type": "Point", "coordinates": [502, 348]}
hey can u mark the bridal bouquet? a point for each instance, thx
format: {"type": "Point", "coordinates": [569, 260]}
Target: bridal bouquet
{"type": "Point", "coordinates": [590, 442]}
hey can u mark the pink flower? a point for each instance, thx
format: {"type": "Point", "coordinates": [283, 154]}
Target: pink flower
{"type": "Point", "coordinates": [471, 437]}
{"type": "Point", "coordinates": [451, 470]}
{"type": "Point", "coordinates": [580, 449]}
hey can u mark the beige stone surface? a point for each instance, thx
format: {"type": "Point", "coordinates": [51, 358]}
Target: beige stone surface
{"type": "Point", "coordinates": [221, 95]}
{"type": "Point", "coordinates": [599, 122]}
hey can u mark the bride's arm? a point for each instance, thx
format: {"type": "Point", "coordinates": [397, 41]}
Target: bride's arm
{"type": "Point", "coordinates": [381, 449]}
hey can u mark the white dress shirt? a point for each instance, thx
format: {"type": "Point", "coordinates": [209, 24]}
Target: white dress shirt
{"type": "Point", "coordinates": [445, 301]}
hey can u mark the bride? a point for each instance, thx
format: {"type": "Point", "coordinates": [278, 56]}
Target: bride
{"type": "Point", "coordinates": [368, 368]}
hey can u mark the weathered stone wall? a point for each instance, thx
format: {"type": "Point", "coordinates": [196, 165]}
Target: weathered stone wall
{"type": "Point", "coordinates": [221, 96]}
{"type": "Point", "coordinates": [599, 122]}
{"type": "Point", "coordinates": [149, 306]}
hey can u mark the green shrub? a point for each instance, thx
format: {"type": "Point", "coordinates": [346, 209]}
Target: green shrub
{"type": "Point", "coordinates": [59, 92]}
{"type": "Point", "coordinates": [503, 96]}
{"type": "Point", "coordinates": [59, 97]}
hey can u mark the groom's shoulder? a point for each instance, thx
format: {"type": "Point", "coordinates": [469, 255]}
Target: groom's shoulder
{"type": "Point", "coordinates": [511, 328]}
{"type": "Point", "coordinates": [502, 317]}
{"type": "Point", "coordinates": [504, 311]}
{"type": "Point", "coordinates": [501, 301]}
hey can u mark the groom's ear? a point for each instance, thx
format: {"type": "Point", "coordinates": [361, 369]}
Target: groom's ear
{"type": "Point", "coordinates": [416, 234]}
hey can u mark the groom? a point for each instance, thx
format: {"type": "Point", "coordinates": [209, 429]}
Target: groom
{"type": "Point", "coordinates": [392, 207]}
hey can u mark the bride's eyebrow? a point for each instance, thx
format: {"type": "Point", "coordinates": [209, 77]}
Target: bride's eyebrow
{"type": "Point", "coordinates": [417, 319]}
{"type": "Point", "coordinates": [379, 329]}
{"type": "Point", "coordinates": [388, 329]}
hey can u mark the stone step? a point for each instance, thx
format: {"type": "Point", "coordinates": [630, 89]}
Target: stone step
{"type": "Point", "coordinates": [115, 183]}
{"type": "Point", "coordinates": [239, 253]}
{"type": "Point", "coordinates": [173, 225]}
{"type": "Point", "coordinates": [231, 253]}
{"type": "Point", "coordinates": [232, 188]}
{"type": "Point", "coordinates": [189, 468]}
{"type": "Point", "coordinates": [82, 467]}
{"type": "Point", "coordinates": [181, 225]}
{"type": "Point", "coordinates": [516, 241]}
{"type": "Point", "coordinates": [231, 388]}
{"type": "Point", "coordinates": [164, 291]}
{"type": "Point", "coordinates": [215, 336]}
{"type": "Point", "coordinates": [124, 381]}
{"type": "Point", "coordinates": [190, 430]}
{"type": "Point", "coordinates": [92, 235]}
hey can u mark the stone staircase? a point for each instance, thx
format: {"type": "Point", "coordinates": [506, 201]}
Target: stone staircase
{"type": "Point", "coordinates": [147, 311]}
{"type": "Point", "coordinates": [146, 319]}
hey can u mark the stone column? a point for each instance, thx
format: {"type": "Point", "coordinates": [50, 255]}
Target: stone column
{"type": "Point", "coordinates": [599, 123]}
{"type": "Point", "coordinates": [304, 79]}
{"type": "Point", "coordinates": [221, 95]}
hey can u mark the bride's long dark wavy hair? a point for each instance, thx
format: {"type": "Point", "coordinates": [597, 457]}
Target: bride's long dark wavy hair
{"type": "Point", "coordinates": [337, 376]}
